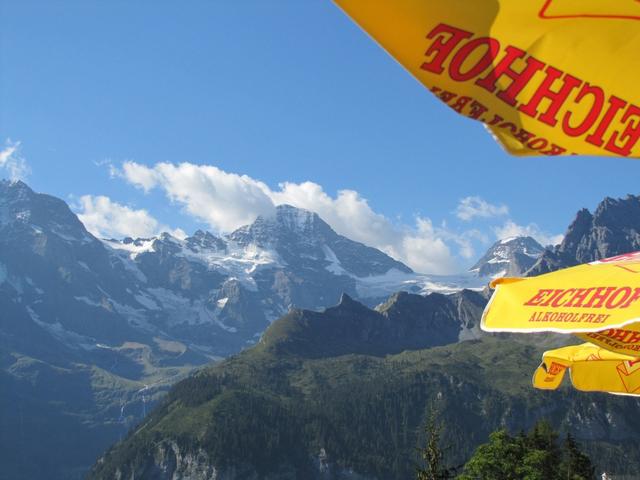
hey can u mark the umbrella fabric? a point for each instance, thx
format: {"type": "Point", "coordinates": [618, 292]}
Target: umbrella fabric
{"type": "Point", "coordinates": [592, 369]}
{"type": "Point", "coordinates": [547, 77]}
{"type": "Point", "coordinates": [599, 302]}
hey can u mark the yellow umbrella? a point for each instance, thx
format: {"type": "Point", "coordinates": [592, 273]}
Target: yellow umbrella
{"type": "Point", "coordinates": [547, 77]}
{"type": "Point", "coordinates": [599, 302]}
{"type": "Point", "coordinates": [592, 369]}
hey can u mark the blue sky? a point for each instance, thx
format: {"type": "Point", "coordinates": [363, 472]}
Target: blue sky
{"type": "Point", "coordinates": [279, 91]}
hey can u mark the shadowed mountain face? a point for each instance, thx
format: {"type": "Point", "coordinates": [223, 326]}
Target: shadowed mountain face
{"type": "Point", "coordinates": [342, 394]}
{"type": "Point", "coordinates": [612, 229]}
{"type": "Point", "coordinates": [404, 322]}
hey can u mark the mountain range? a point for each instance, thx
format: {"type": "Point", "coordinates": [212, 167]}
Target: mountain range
{"type": "Point", "coordinates": [613, 228]}
{"type": "Point", "coordinates": [324, 396]}
{"type": "Point", "coordinates": [95, 331]}
{"type": "Point", "coordinates": [342, 394]}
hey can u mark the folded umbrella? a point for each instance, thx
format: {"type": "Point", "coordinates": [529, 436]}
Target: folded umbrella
{"type": "Point", "coordinates": [592, 369]}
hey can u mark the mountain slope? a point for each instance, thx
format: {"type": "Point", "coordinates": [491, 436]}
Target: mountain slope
{"type": "Point", "coordinates": [93, 331]}
{"type": "Point", "coordinates": [612, 229]}
{"type": "Point", "coordinates": [319, 397]}
{"type": "Point", "coordinates": [510, 257]}
{"type": "Point", "coordinates": [404, 322]}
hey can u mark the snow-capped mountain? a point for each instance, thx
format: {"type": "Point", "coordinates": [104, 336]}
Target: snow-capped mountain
{"type": "Point", "coordinates": [228, 289]}
{"type": "Point", "coordinates": [508, 257]}
{"type": "Point", "coordinates": [213, 294]}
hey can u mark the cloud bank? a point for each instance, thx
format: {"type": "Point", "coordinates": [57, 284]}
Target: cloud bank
{"type": "Point", "coordinates": [107, 219]}
{"type": "Point", "coordinates": [225, 201]}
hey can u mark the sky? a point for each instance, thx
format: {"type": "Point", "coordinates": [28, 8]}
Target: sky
{"type": "Point", "coordinates": [153, 116]}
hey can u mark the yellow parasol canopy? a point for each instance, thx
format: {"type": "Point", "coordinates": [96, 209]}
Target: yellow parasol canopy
{"type": "Point", "coordinates": [592, 369]}
{"type": "Point", "coordinates": [547, 77]}
{"type": "Point", "coordinates": [599, 302]}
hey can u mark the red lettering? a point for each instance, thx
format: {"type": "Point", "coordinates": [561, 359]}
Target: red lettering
{"type": "Point", "coordinates": [592, 116]}
{"type": "Point", "coordinates": [618, 335]}
{"type": "Point", "coordinates": [579, 297]}
{"type": "Point", "coordinates": [496, 119]}
{"type": "Point", "coordinates": [599, 297]}
{"type": "Point", "coordinates": [523, 136]}
{"type": "Point", "coordinates": [614, 302]}
{"type": "Point", "coordinates": [555, 295]}
{"type": "Point", "coordinates": [557, 99]}
{"type": "Point", "coordinates": [615, 104]}
{"type": "Point", "coordinates": [634, 298]}
{"type": "Point", "coordinates": [538, 144]}
{"type": "Point", "coordinates": [446, 97]}
{"type": "Point", "coordinates": [557, 301]}
{"type": "Point", "coordinates": [446, 39]}
{"type": "Point", "coordinates": [460, 104]}
{"type": "Point", "coordinates": [509, 126]}
{"type": "Point", "coordinates": [455, 68]}
{"type": "Point", "coordinates": [538, 297]}
{"type": "Point", "coordinates": [519, 79]}
{"type": "Point", "coordinates": [554, 150]}
{"type": "Point", "coordinates": [477, 110]}
{"type": "Point", "coordinates": [631, 133]}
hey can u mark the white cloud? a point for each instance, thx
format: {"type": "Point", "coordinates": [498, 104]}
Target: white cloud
{"type": "Point", "coordinates": [511, 229]}
{"type": "Point", "coordinates": [107, 219]}
{"type": "Point", "coordinates": [424, 249]}
{"type": "Point", "coordinates": [227, 201]}
{"type": "Point", "coordinates": [472, 207]}
{"type": "Point", "coordinates": [12, 162]}
{"type": "Point", "coordinates": [224, 200]}
{"type": "Point", "coordinates": [140, 175]}
{"type": "Point", "coordinates": [465, 241]}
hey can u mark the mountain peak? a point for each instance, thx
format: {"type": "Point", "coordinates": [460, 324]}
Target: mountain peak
{"type": "Point", "coordinates": [38, 213]}
{"type": "Point", "coordinates": [15, 189]}
{"type": "Point", "coordinates": [508, 257]}
{"type": "Point", "coordinates": [203, 240]}
{"type": "Point", "coordinates": [286, 221]}
{"type": "Point", "coordinates": [301, 237]}
{"type": "Point", "coordinates": [346, 299]}
{"type": "Point", "coordinates": [298, 219]}
{"type": "Point", "coordinates": [18, 184]}
{"type": "Point", "coordinates": [405, 322]}
{"type": "Point", "coordinates": [348, 303]}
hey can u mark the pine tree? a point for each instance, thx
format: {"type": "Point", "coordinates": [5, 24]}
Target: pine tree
{"type": "Point", "coordinates": [544, 439]}
{"type": "Point", "coordinates": [575, 464]}
{"type": "Point", "coordinates": [431, 454]}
